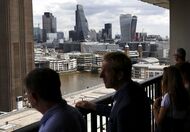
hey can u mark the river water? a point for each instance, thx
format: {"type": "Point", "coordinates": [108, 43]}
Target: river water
{"type": "Point", "coordinates": [75, 81]}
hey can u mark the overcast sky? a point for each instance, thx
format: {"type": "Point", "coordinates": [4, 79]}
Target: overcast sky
{"type": "Point", "coordinates": [150, 19]}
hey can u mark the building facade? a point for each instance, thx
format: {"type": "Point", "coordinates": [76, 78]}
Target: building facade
{"type": "Point", "coordinates": [49, 24]}
{"type": "Point", "coordinates": [133, 27]}
{"type": "Point", "coordinates": [108, 31]}
{"type": "Point", "coordinates": [128, 27]}
{"type": "Point", "coordinates": [16, 52]}
{"type": "Point", "coordinates": [81, 26]}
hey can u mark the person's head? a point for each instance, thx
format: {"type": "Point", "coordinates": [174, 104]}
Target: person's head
{"type": "Point", "coordinates": [43, 85]}
{"type": "Point", "coordinates": [174, 87]}
{"type": "Point", "coordinates": [174, 79]}
{"type": "Point", "coordinates": [180, 55]}
{"type": "Point", "coordinates": [116, 69]}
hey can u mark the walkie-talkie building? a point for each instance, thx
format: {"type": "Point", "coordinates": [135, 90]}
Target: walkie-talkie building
{"type": "Point", "coordinates": [128, 27]}
{"type": "Point", "coordinates": [81, 26]}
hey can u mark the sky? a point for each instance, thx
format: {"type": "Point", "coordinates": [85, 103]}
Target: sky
{"type": "Point", "coordinates": [150, 19]}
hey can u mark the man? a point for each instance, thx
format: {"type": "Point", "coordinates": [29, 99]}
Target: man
{"type": "Point", "coordinates": [44, 94]}
{"type": "Point", "coordinates": [130, 111]}
{"type": "Point", "coordinates": [179, 56]}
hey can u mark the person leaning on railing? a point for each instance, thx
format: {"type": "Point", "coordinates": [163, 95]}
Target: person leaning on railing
{"type": "Point", "coordinates": [130, 110]}
{"type": "Point", "coordinates": [170, 110]}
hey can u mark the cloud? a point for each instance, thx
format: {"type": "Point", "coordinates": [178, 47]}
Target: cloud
{"type": "Point", "coordinates": [151, 19]}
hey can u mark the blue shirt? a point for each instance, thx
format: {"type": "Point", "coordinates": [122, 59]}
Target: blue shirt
{"type": "Point", "coordinates": [62, 118]}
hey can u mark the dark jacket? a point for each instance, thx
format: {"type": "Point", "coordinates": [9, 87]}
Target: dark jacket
{"type": "Point", "coordinates": [131, 111]}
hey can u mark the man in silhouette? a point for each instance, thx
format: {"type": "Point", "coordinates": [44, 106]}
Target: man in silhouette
{"type": "Point", "coordinates": [131, 110]}
{"type": "Point", "coordinates": [44, 94]}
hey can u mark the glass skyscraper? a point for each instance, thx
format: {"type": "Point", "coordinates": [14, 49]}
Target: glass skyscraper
{"type": "Point", "coordinates": [81, 26]}
{"type": "Point", "coordinates": [128, 27]}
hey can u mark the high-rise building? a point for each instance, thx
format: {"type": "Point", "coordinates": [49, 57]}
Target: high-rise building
{"type": "Point", "coordinates": [37, 32]}
{"type": "Point", "coordinates": [72, 35]}
{"type": "Point", "coordinates": [81, 26]}
{"type": "Point", "coordinates": [49, 24]}
{"type": "Point", "coordinates": [125, 25]}
{"type": "Point", "coordinates": [128, 27]}
{"type": "Point", "coordinates": [133, 27]}
{"type": "Point", "coordinates": [108, 31]}
{"type": "Point", "coordinates": [16, 52]}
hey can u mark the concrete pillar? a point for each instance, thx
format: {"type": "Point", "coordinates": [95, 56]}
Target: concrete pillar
{"type": "Point", "coordinates": [16, 49]}
{"type": "Point", "coordinates": [179, 27]}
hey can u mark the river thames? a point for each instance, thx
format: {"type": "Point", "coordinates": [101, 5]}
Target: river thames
{"type": "Point", "coordinates": [75, 81]}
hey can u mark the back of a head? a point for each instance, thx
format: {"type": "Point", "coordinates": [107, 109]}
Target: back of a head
{"type": "Point", "coordinates": [45, 82]}
{"type": "Point", "coordinates": [119, 62]}
{"type": "Point", "coordinates": [181, 53]}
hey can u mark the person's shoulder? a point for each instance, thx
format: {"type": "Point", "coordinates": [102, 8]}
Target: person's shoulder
{"type": "Point", "coordinates": [134, 84]}
{"type": "Point", "coordinates": [135, 87]}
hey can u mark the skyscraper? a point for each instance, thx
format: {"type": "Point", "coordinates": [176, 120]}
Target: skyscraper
{"type": "Point", "coordinates": [133, 27]}
{"type": "Point", "coordinates": [16, 52]}
{"type": "Point", "coordinates": [128, 27]}
{"type": "Point", "coordinates": [81, 26]}
{"type": "Point", "coordinates": [49, 24]}
{"type": "Point", "coordinates": [37, 32]}
{"type": "Point", "coordinates": [108, 31]}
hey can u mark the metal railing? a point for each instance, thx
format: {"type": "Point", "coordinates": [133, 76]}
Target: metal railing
{"type": "Point", "coordinates": [97, 123]}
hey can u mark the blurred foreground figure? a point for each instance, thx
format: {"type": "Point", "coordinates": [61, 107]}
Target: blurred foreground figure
{"type": "Point", "coordinates": [44, 94]}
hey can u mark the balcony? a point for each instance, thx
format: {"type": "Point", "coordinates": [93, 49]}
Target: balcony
{"type": "Point", "coordinates": [96, 123]}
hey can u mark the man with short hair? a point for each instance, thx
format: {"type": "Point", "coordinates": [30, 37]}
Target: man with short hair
{"type": "Point", "coordinates": [179, 56]}
{"type": "Point", "coordinates": [131, 110]}
{"type": "Point", "coordinates": [44, 94]}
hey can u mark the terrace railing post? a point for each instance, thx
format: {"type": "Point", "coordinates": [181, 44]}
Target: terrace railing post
{"type": "Point", "coordinates": [94, 122]}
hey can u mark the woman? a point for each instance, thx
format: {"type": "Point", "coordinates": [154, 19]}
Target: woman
{"type": "Point", "coordinates": [171, 112]}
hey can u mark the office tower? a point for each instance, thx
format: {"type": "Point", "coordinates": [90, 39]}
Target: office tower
{"type": "Point", "coordinates": [72, 35]}
{"type": "Point", "coordinates": [81, 26]}
{"type": "Point", "coordinates": [37, 32]}
{"type": "Point", "coordinates": [16, 52]}
{"type": "Point", "coordinates": [103, 37]}
{"type": "Point", "coordinates": [133, 27]}
{"type": "Point", "coordinates": [108, 31]}
{"type": "Point", "coordinates": [49, 24]}
{"type": "Point", "coordinates": [128, 27]}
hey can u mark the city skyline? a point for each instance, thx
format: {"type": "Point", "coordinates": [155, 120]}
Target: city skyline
{"type": "Point", "coordinates": [98, 13]}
